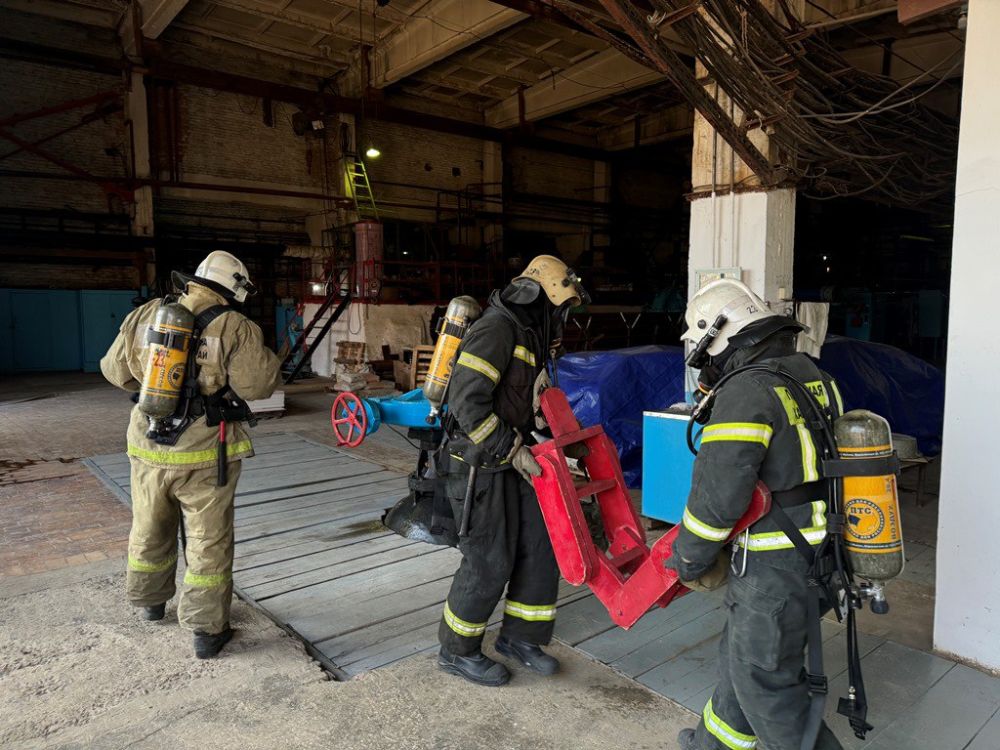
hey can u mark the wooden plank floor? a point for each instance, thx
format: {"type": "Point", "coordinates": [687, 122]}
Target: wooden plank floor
{"type": "Point", "coordinates": [311, 552]}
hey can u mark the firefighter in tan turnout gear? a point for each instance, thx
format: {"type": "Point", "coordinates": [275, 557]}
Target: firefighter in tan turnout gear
{"type": "Point", "coordinates": [501, 363]}
{"type": "Point", "coordinates": [185, 465]}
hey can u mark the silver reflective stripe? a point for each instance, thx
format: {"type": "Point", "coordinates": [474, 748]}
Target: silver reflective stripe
{"type": "Point", "coordinates": [485, 429]}
{"type": "Point", "coordinates": [462, 627]}
{"type": "Point", "coordinates": [725, 733]}
{"type": "Point", "coordinates": [531, 612]}
{"type": "Point", "coordinates": [480, 365]}
{"type": "Point", "coordinates": [701, 529]}
{"type": "Point", "coordinates": [774, 540]}
{"type": "Point", "coordinates": [810, 470]}
{"type": "Point", "coordinates": [523, 354]}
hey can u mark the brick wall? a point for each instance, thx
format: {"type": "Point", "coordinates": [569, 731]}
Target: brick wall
{"type": "Point", "coordinates": [68, 276]}
{"type": "Point", "coordinates": [98, 147]}
{"type": "Point", "coordinates": [224, 135]}
{"type": "Point", "coordinates": [414, 157]}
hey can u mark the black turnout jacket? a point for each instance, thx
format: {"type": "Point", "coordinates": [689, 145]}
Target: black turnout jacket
{"type": "Point", "coordinates": [757, 431]}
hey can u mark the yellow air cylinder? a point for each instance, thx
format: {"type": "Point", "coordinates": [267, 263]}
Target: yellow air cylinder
{"type": "Point", "coordinates": [461, 313]}
{"type": "Point", "coordinates": [168, 341]}
{"type": "Point", "coordinates": [873, 533]}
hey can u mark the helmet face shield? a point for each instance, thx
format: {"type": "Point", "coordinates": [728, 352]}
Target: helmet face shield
{"type": "Point", "coordinates": [243, 287]}
{"type": "Point", "coordinates": [573, 280]}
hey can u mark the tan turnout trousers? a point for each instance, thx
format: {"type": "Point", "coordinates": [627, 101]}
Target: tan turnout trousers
{"type": "Point", "coordinates": [174, 482]}
{"type": "Point", "coordinates": [161, 498]}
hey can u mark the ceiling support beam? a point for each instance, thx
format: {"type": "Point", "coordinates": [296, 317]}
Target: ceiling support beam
{"type": "Point", "coordinates": [604, 75]}
{"type": "Point", "coordinates": [443, 28]}
{"type": "Point", "coordinates": [217, 80]}
{"type": "Point", "coordinates": [157, 15]}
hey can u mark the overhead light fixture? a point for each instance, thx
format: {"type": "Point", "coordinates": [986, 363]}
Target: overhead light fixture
{"type": "Point", "coordinates": [372, 152]}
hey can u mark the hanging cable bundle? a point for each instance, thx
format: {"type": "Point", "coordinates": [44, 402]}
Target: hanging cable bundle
{"type": "Point", "coordinates": [838, 130]}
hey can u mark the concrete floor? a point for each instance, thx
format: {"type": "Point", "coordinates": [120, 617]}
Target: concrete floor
{"type": "Point", "coordinates": [79, 670]}
{"type": "Point", "coordinates": [70, 640]}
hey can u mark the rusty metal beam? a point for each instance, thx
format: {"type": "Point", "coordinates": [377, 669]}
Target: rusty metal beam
{"type": "Point", "coordinates": [109, 187]}
{"type": "Point", "coordinates": [62, 107]}
{"type": "Point", "coordinates": [161, 68]}
{"type": "Point", "coordinates": [85, 120]}
{"type": "Point", "coordinates": [911, 11]}
{"type": "Point", "coordinates": [677, 70]}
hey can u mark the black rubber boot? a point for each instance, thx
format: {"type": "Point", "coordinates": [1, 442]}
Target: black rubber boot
{"type": "Point", "coordinates": [477, 668]}
{"type": "Point", "coordinates": [207, 645]}
{"type": "Point", "coordinates": [155, 612]}
{"type": "Point", "coordinates": [686, 739]}
{"type": "Point", "coordinates": [529, 655]}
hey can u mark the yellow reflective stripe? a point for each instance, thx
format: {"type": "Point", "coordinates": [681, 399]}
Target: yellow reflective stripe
{"type": "Point", "coordinates": [460, 626]}
{"type": "Point", "coordinates": [744, 432]}
{"type": "Point", "coordinates": [531, 612]}
{"type": "Point", "coordinates": [810, 470]}
{"type": "Point", "coordinates": [139, 566]}
{"type": "Point", "coordinates": [775, 540]}
{"type": "Point", "coordinates": [837, 397]}
{"type": "Point", "coordinates": [791, 405]}
{"type": "Point", "coordinates": [819, 513]}
{"type": "Point", "coordinates": [818, 390]}
{"type": "Point", "coordinates": [485, 429]}
{"type": "Point", "coordinates": [182, 458]}
{"type": "Point", "coordinates": [725, 733]}
{"type": "Point", "coordinates": [702, 529]}
{"type": "Point", "coordinates": [523, 354]}
{"type": "Point", "coordinates": [480, 365]}
{"type": "Point", "coordinates": [205, 581]}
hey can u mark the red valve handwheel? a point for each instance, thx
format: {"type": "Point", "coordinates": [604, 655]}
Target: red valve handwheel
{"type": "Point", "coordinates": [349, 419]}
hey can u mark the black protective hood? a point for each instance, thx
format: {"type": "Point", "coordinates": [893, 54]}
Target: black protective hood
{"type": "Point", "coordinates": [778, 344]}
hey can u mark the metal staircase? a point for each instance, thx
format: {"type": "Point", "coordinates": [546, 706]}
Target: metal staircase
{"type": "Point", "coordinates": [338, 297]}
{"type": "Point", "coordinates": [361, 190]}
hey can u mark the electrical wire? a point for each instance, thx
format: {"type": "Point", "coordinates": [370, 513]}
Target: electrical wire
{"type": "Point", "coordinates": [391, 427]}
{"type": "Point", "coordinates": [837, 130]}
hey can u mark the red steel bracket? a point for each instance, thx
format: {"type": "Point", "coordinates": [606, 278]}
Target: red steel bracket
{"type": "Point", "coordinates": [629, 578]}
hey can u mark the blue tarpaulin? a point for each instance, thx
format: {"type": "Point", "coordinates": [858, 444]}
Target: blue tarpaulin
{"type": "Point", "coordinates": [902, 388]}
{"type": "Point", "coordinates": [614, 388]}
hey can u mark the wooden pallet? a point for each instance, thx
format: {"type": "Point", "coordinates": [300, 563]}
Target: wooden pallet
{"type": "Point", "coordinates": [420, 365]}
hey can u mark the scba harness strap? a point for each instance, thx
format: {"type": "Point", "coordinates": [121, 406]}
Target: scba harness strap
{"type": "Point", "coordinates": [218, 407]}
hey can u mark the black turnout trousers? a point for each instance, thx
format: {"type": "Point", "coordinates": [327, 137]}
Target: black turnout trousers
{"type": "Point", "coordinates": [507, 548]}
{"type": "Point", "coordinates": [762, 698]}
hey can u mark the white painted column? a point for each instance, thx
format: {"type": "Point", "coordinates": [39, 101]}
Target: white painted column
{"type": "Point", "coordinates": [967, 615]}
{"type": "Point", "coordinates": [734, 222]}
{"type": "Point", "coordinates": [754, 232]}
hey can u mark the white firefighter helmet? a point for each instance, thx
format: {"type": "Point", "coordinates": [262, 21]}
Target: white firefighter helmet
{"type": "Point", "coordinates": [557, 280]}
{"type": "Point", "coordinates": [226, 273]}
{"type": "Point", "coordinates": [730, 298]}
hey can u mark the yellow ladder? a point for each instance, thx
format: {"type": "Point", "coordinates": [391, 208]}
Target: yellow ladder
{"type": "Point", "coordinates": [361, 189]}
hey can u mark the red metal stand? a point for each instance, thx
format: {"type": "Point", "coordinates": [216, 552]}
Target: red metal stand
{"type": "Point", "coordinates": [629, 579]}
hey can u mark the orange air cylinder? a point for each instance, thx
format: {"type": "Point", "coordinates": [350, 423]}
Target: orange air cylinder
{"type": "Point", "coordinates": [873, 533]}
{"type": "Point", "coordinates": [461, 313]}
{"type": "Point", "coordinates": [168, 341]}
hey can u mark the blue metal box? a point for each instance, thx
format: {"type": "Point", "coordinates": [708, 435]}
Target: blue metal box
{"type": "Point", "coordinates": [666, 465]}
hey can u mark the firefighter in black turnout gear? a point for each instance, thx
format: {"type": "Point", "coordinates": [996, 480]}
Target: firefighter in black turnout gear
{"type": "Point", "coordinates": [500, 367]}
{"type": "Point", "coordinates": [759, 429]}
